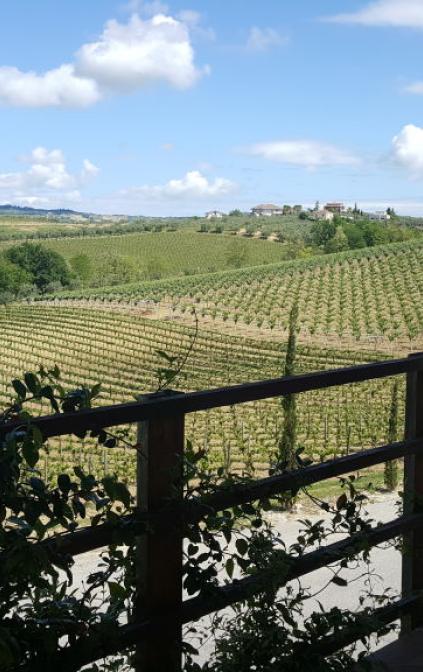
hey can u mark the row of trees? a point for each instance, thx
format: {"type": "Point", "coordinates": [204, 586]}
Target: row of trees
{"type": "Point", "coordinates": [31, 268]}
{"type": "Point", "coordinates": [341, 234]}
{"type": "Point", "coordinates": [113, 269]}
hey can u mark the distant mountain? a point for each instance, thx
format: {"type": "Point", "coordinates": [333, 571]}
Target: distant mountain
{"type": "Point", "coordinates": [9, 209]}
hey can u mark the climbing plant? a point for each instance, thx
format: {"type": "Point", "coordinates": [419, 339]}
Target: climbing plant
{"type": "Point", "coordinates": [46, 620]}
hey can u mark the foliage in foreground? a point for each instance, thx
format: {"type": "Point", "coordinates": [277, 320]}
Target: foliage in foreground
{"type": "Point", "coordinates": [49, 623]}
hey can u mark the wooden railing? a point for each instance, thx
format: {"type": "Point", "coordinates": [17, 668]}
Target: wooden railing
{"type": "Point", "coordinates": [160, 609]}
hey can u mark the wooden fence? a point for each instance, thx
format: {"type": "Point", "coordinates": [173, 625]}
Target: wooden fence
{"type": "Point", "coordinates": [161, 611]}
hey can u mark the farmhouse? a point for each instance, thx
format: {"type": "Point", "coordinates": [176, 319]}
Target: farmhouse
{"type": "Point", "coordinates": [379, 216]}
{"type": "Point", "coordinates": [322, 215]}
{"type": "Point", "coordinates": [335, 207]}
{"type": "Point", "coordinates": [267, 210]}
{"type": "Point", "coordinates": [214, 214]}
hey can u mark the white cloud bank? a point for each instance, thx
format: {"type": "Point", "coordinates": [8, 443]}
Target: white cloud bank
{"type": "Point", "coordinates": [307, 153]}
{"type": "Point", "coordinates": [395, 13]}
{"type": "Point", "coordinates": [194, 185]}
{"type": "Point", "coordinates": [407, 149]}
{"type": "Point", "coordinates": [263, 39]}
{"type": "Point", "coordinates": [46, 180]}
{"type": "Point", "coordinates": [126, 57]}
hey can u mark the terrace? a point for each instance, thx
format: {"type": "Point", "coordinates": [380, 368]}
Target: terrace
{"type": "Point", "coordinates": [157, 635]}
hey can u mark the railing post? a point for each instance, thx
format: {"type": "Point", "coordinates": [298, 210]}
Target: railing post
{"type": "Point", "coordinates": [412, 559]}
{"type": "Point", "coordinates": [159, 553]}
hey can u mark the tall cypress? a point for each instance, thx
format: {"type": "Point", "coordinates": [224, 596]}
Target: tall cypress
{"type": "Point", "coordinates": [286, 448]}
{"type": "Point", "coordinates": [390, 475]}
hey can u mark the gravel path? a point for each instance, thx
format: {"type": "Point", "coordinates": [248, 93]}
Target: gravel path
{"type": "Point", "coordinates": [386, 562]}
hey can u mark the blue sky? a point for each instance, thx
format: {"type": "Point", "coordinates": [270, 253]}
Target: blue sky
{"type": "Point", "coordinates": [176, 108]}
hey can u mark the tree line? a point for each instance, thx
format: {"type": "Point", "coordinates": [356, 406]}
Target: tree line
{"type": "Point", "coordinates": [342, 234]}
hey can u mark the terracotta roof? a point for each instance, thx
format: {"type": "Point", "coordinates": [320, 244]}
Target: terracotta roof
{"type": "Point", "coordinates": [267, 206]}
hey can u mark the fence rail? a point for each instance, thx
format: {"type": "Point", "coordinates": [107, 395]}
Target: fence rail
{"type": "Point", "coordinates": [170, 404]}
{"type": "Point", "coordinates": [161, 418]}
{"type": "Point", "coordinates": [190, 511]}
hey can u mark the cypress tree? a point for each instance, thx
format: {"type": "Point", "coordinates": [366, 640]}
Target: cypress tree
{"type": "Point", "coordinates": [390, 475]}
{"type": "Point", "coordinates": [286, 448]}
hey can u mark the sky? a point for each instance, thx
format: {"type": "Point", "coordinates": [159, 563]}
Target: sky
{"type": "Point", "coordinates": [156, 108]}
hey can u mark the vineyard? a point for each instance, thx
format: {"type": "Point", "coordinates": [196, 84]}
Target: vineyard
{"type": "Point", "coordinates": [374, 292]}
{"type": "Point", "coordinates": [120, 351]}
{"type": "Point", "coordinates": [169, 253]}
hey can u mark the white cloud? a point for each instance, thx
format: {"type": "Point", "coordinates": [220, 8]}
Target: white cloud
{"type": "Point", "coordinates": [415, 87]}
{"type": "Point", "coordinates": [46, 178]}
{"type": "Point", "coordinates": [89, 169]}
{"type": "Point", "coordinates": [193, 20]}
{"type": "Point", "coordinates": [407, 149]}
{"type": "Point", "coordinates": [262, 39]}
{"type": "Point", "coordinates": [60, 87]}
{"type": "Point", "coordinates": [190, 16]}
{"type": "Point", "coordinates": [126, 57]}
{"type": "Point", "coordinates": [130, 56]}
{"type": "Point", "coordinates": [396, 13]}
{"type": "Point", "coordinates": [194, 185]}
{"type": "Point", "coordinates": [308, 153]}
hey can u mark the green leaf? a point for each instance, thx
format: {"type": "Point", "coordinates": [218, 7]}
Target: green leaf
{"type": "Point", "coordinates": [192, 549]}
{"type": "Point", "coordinates": [241, 546]}
{"type": "Point", "coordinates": [37, 437]}
{"type": "Point", "coordinates": [122, 494]}
{"type": "Point", "coordinates": [95, 390]}
{"type": "Point", "coordinates": [229, 566]}
{"type": "Point", "coordinates": [19, 388]}
{"type": "Point", "coordinates": [341, 501]}
{"type": "Point", "coordinates": [64, 483]}
{"type": "Point", "coordinates": [37, 484]}
{"type": "Point", "coordinates": [117, 592]}
{"type": "Point", "coordinates": [79, 508]}
{"type": "Point", "coordinates": [32, 383]}
{"type": "Point", "coordinates": [109, 485]}
{"type": "Point", "coordinates": [48, 392]}
{"type": "Point", "coordinates": [30, 452]}
{"type": "Point", "coordinates": [54, 372]}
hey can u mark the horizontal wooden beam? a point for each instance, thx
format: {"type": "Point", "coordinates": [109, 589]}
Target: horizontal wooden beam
{"type": "Point", "coordinates": [90, 648]}
{"type": "Point", "coordinates": [191, 511]}
{"type": "Point", "coordinates": [365, 622]}
{"type": "Point", "coordinates": [170, 404]}
{"type": "Point", "coordinates": [238, 591]}
{"type": "Point", "coordinates": [292, 480]}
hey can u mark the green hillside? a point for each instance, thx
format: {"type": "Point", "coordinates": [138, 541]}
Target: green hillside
{"type": "Point", "coordinates": [166, 254]}
{"type": "Point", "coordinates": [371, 292]}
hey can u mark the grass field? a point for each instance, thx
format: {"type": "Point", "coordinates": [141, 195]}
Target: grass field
{"type": "Point", "coordinates": [374, 292]}
{"type": "Point", "coordinates": [120, 351]}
